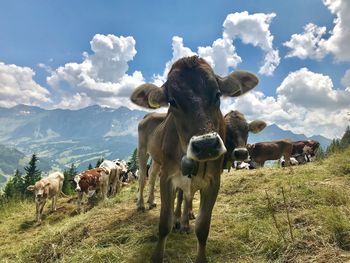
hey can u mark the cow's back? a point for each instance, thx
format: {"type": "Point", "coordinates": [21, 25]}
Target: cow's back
{"type": "Point", "coordinates": [273, 150]}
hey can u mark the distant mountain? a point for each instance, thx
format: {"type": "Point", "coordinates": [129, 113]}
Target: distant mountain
{"type": "Point", "coordinates": [61, 137]}
{"type": "Point", "coordinates": [273, 132]}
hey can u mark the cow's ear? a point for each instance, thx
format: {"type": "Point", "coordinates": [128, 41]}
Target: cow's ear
{"type": "Point", "coordinates": [47, 184]}
{"type": "Point", "coordinates": [30, 188]}
{"type": "Point", "coordinates": [256, 126]}
{"type": "Point", "coordinates": [149, 96]}
{"type": "Point", "coordinates": [237, 83]}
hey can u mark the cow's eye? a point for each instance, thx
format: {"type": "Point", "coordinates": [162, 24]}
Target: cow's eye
{"type": "Point", "coordinates": [173, 103]}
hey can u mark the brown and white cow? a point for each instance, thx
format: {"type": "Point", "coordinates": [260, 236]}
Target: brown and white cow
{"type": "Point", "coordinates": [306, 148]}
{"type": "Point", "coordinates": [273, 150]}
{"type": "Point", "coordinates": [49, 187]}
{"type": "Point", "coordinates": [91, 181]}
{"type": "Point", "coordinates": [192, 130]}
{"type": "Point", "coordinates": [114, 171]}
{"type": "Point", "coordinates": [237, 131]}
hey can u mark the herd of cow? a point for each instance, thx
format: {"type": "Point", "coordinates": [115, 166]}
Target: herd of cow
{"type": "Point", "coordinates": [190, 145]}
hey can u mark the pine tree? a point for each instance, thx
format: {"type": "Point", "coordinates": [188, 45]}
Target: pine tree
{"type": "Point", "coordinates": [345, 140]}
{"type": "Point", "coordinates": [134, 162]}
{"type": "Point", "coordinates": [33, 174]}
{"type": "Point", "coordinates": [68, 177]}
{"type": "Point", "coordinates": [99, 161]}
{"type": "Point", "coordinates": [18, 183]}
{"type": "Point", "coordinates": [14, 186]}
{"type": "Point", "coordinates": [90, 166]}
{"type": "Point", "coordinates": [9, 190]}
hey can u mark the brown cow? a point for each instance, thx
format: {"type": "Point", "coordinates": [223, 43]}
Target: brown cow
{"type": "Point", "coordinates": [306, 148]}
{"type": "Point", "coordinates": [48, 187]}
{"type": "Point", "coordinates": [237, 131]}
{"type": "Point", "coordinates": [90, 181]}
{"type": "Point", "coordinates": [192, 130]}
{"type": "Point", "coordinates": [274, 150]}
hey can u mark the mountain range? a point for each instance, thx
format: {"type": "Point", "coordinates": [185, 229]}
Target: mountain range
{"type": "Point", "coordinates": [61, 137]}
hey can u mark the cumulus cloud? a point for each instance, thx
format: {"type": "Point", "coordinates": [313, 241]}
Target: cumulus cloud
{"type": "Point", "coordinates": [18, 87]}
{"type": "Point", "coordinates": [346, 80]}
{"type": "Point", "coordinates": [221, 55]}
{"type": "Point", "coordinates": [102, 76]}
{"type": "Point", "coordinates": [254, 29]}
{"type": "Point", "coordinates": [310, 43]}
{"type": "Point", "coordinates": [306, 102]}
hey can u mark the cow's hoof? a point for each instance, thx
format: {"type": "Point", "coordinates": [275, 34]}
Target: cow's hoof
{"type": "Point", "coordinates": [191, 216]}
{"type": "Point", "coordinates": [141, 209]}
{"type": "Point", "coordinates": [185, 230]}
{"type": "Point", "coordinates": [152, 206]}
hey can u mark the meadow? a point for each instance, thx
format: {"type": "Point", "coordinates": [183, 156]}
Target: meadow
{"type": "Point", "coordinates": [293, 214]}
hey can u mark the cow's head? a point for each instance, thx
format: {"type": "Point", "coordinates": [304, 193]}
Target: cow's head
{"type": "Point", "coordinates": [77, 182]}
{"type": "Point", "coordinates": [193, 94]}
{"type": "Point", "coordinates": [40, 189]}
{"type": "Point", "coordinates": [237, 130]}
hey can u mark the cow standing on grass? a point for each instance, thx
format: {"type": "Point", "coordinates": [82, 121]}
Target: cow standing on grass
{"type": "Point", "coordinates": [262, 151]}
{"type": "Point", "coordinates": [191, 132]}
{"type": "Point", "coordinates": [114, 171]}
{"type": "Point", "coordinates": [91, 181]}
{"type": "Point", "coordinates": [49, 187]}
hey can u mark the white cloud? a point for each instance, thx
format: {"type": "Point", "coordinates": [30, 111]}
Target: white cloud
{"type": "Point", "coordinates": [306, 102]}
{"type": "Point", "coordinates": [18, 87]}
{"type": "Point", "coordinates": [102, 76]}
{"type": "Point", "coordinates": [310, 44]}
{"type": "Point", "coordinates": [346, 80]}
{"type": "Point", "coordinates": [254, 29]}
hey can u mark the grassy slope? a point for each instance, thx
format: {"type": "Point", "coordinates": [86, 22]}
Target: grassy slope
{"type": "Point", "coordinates": [243, 229]}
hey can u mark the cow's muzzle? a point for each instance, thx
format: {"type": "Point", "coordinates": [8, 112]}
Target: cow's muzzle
{"type": "Point", "coordinates": [205, 147]}
{"type": "Point", "coordinates": [240, 154]}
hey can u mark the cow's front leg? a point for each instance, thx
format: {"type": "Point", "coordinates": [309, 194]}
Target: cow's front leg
{"type": "Point", "coordinates": [40, 209]}
{"type": "Point", "coordinates": [80, 198]}
{"type": "Point", "coordinates": [54, 203]}
{"type": "Point", "coordinates": [167, 196]}
{"type": "Point", "coordinates": [207, 201]}
{"type": "Point", "coordinates": [155, 169]}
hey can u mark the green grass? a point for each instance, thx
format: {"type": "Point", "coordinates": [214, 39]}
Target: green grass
{"type": "Point", "coordinates": [245, 227]}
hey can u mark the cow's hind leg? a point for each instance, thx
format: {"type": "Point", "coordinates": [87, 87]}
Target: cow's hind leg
{"type": "Point", "coordinates": [207, 201]}
{"type": "Point", "coordinates": [154, 171]}
{"type": "Point", "coordinates": [143, 157]}
{"type": "Point", "coordinates": [167, 194]}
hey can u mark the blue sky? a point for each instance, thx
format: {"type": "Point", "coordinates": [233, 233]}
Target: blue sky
{"type": "Point", "coordinates": [306, 87]}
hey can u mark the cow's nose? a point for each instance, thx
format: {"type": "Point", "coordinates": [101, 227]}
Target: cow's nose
{"type": "Point", "coordinates": [205, 147]}
{"type": "Point", "coordinates": [39, 195]}
{"type": "Point", "coordinates": [77, 189]}
{"type": "Point", "coordinates": [240, 154]}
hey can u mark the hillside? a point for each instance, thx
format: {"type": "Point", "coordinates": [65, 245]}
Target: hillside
{"type": "Point", "coordinates": [62, 137]}
{"type": "Point", "coordinates": [243, 229]}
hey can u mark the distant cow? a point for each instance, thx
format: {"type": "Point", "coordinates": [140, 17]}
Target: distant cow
{"type": "Point", "coordinates": [114, 172]}
{"type": "Point", "coordinates": [91, 181]}
{"type": "Point", "coordinates": [237, 131]}
{"type": "Point", "coordinates": [274, 150]}
{"type": "Point", "coordinates": [308, 148]}
{"type": "Point", "coordinates": [193, 131]}
{"type": "Point", "coordinates": [49, 187]}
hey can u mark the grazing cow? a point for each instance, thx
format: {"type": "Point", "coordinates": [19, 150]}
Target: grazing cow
{"type": "Point", "coordinates": [308, 148]}
{"type": "Point", "coordinates": [237, 130]}
{"type": "Point", "coordinates": [114, 172]}
{"type": "Point", "coordinates": [49, 187]}
{"type": "Point", "coordinates": [91, 181]}
{"type": "Point", "coordinates": [274, 150]}
{"type": "Point", "coordinates": [192, 131]}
